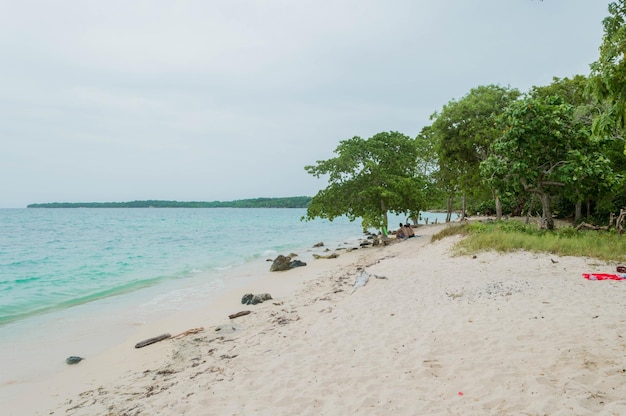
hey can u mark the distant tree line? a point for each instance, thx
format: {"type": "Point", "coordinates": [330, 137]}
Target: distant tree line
{"type": "Point", "coordinates": [288, 202]}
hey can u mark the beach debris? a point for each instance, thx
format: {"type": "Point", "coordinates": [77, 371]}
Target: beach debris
{"type": "Point", "coordinates": [189, 332]}
{"type": "Point", "coordinates": [238, 314]}
{"type": "Point", "coordinates": [152, 340]}
{"type": "Point", "coordinates": [381, 277]}
{"type": "Point", "coordinates": [621, 269]}
{"type": "Point", "coordinates": [250, 299]}
{"type": "Point", "coordinates": [498, 288]}
{"type": "Point", "coordinates": [361, 280]}
{"type": "Point", "coordinates": [73, 359]}
{"type": "Point", "coordinates": [320, 244]}
{"type": "Point", "coordinates": [227, 328]}
{"type": "Point", "coordinates": [330, 256]}
{"type": "Point", "coordinates": [227, 357]}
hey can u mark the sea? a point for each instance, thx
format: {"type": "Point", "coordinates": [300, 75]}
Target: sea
{"type": "Point", "coordinates": [76, 280]}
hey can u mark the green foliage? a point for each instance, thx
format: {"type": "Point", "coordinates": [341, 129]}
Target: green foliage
{"type": "Point", "coordinates": [464, 131]}
{"type": "Point", "coordinates": [369, 178]}
{"type": "Point", "coordinates": [544, 148]}
{"type": "Point", "coordinates": [289, 202]}
{"type": "Point", "coordinates": [608, 73]}
{"type": "Point", "coordinates": [508, 236]}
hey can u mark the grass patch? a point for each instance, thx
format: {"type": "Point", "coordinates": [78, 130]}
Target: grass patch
{"type": "Point", "coordinates": [462, 229]}
{"type": "Point", "coordinates": [512, 235]}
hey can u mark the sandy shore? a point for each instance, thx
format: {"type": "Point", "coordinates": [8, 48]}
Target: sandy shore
{"type": "Point", "coordinates": [428, 334]}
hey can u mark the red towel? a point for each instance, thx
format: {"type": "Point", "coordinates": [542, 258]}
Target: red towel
{"type": "Point", "coordinates": [603, 276]}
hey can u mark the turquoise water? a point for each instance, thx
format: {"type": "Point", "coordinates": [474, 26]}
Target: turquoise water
{"type": "Point", "coordinates": [52, 259]}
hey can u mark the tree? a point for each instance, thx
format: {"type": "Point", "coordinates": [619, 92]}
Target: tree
{"type": "Point", "coordinates": [608, 73]}
{"type": "Point", "coordinates": [542, 149]}
{"type": "Point", "coordinates": [428, 167]}
{"type": "Point", "coordinates": [464, 130]}
{"type": "Point", "coordinates": [368, 179]}
{"type": "Point", "coordinates": [589, 178]}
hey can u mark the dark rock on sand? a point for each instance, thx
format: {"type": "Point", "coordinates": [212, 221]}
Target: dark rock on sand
{"type": "Point", "coordinates": [296, 263]}
{"type": "Point", "coordinates": [73, 359]}
{"type": "Point", "coordinates": [250, 299]}
{"type": "Point", "coordinates": [280, 263]}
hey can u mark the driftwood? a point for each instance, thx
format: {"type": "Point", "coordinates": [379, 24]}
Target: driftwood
{"type": "Point", "coordinates": [617, 221]}
{"type": "Point", "coordinates": [588, 226]}
{"type": "Point", "coordinates": [189, 332]}
{"type": "Point", "coordinates": [330, 256]}
{"type": "Point", "coordinates": [238, 314]}
{"type": "Point", "coordinates": [152, 340]}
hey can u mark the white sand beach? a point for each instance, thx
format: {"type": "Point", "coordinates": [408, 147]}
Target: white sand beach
{"type": "Point", "coordinates": [428, 334]}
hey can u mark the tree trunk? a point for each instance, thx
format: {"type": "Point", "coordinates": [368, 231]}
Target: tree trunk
{"type": "Point", "coordinates": [449, 209]}
{"type": "Point", "coordinates": [578, 212]}
{"type": "Point", "coordinates": [383, 209]}
{"type": "Point", "coordinates": [531, 205]}
{"type": "Point", "coordinates": [463, 207]}
{"type": "Point", "coordinates": [547, 220]}
{"type": "Point", "coordinates": [498, 208]}
{"type": "Point", "coordinates": [588, 208]}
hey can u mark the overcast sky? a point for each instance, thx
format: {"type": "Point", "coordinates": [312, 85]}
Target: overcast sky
{"type": "Point", "coordinates": [218, 100]}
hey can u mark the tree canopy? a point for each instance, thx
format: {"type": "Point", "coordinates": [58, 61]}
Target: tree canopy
{"type": "Point", "coordinates": [464, 130]}
{"type": "Point", "coordinates": [369, 178]}
{"type": "Point", "coordinates": [608, 73]}
{"type": "Point", "coordinates": [536, 151]}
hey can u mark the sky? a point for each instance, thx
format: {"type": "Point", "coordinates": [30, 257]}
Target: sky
{"type": "Point", "coordinates": [221, 100]}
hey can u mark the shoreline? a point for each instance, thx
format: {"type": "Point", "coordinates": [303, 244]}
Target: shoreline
{"type": "Point", "coordinates": [436, 334]}
{"type": "Point", "coordinates": [126, 321]}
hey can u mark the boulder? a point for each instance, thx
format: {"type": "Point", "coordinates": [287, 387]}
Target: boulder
{"type": "Point", "coordinates": [250, 299]}
{"type": "Point", "coordinates": [296, 263]}
{"type": "Point", "coordinates": [280, 263]}
{"type": "Point", "coordinates": [73, 359]}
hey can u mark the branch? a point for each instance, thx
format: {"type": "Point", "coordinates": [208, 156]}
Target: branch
{"type": "Point", "coordinates": [549, 171]}
{"type": "Point", "coordinates": [553, 183]}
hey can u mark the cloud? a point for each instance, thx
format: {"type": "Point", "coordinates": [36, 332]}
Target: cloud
{"type": "Point", "coordinates": [231, 99]}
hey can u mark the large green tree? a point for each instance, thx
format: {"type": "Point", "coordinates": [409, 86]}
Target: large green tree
{"type": "Point", "coordinates": [543, 149]}
{"type": "Point", "coordinates": [464, 130]}
{"type": "Point", "coordinates": [368, 179]}
{"type": "Point", "coordinates": [590, 179]}
{"type": "Point", "coordinates": [608, 73]}
{"type": "Point", "coordinates": [428, 167]}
